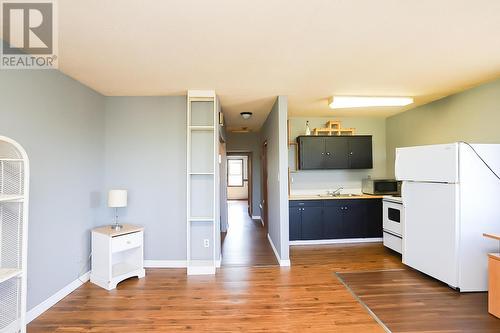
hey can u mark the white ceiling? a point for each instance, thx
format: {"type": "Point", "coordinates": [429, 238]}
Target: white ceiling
{"type": "Point", "coordinates": [251, 51]}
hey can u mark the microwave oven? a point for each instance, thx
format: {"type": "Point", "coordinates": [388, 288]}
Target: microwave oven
{"type": "Point", "coordinates": [381, 186]}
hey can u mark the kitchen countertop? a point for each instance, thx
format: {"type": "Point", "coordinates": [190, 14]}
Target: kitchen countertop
{"type": "Point", "coordinates": [325, 197]}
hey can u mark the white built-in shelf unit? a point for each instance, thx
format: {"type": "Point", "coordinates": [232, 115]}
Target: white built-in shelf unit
{"type": "Point", "coordinates": [202, 162]}
{"type": "Point", "coordinates": [14, 175]}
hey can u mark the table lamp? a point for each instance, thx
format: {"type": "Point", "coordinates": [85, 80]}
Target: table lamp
{"type": "Point", "coordinates": [117, 199]}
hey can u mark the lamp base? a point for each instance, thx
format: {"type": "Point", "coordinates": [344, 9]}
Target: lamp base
{"type": "Point", "coordinates": [116, 226]}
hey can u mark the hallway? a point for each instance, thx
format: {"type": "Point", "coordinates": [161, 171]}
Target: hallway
{"type": "Point", "coordinates": [245, 243]}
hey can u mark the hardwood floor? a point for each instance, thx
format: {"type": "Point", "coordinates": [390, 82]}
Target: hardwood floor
{"type": "Point", "coordinates": [245, 243]}
{"type": "Point", "coordinates": [422, 304]}
{"type": "Point", "coordinates": [306, 297]}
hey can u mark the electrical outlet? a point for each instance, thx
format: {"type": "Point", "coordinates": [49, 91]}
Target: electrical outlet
{"type": "Point", "coordinates": [206, 243]}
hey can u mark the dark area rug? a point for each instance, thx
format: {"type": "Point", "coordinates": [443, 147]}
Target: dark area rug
{"type": "Point", "coordinates": [405, 300]}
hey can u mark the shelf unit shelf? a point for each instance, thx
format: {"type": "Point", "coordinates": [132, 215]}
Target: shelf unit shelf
{"type": "Point", "coordinates": [9, 273]}
{"type": "Point", "coordinates": [14, 194]}
{"type": "Point", "coordinates": [201, 219]}
{"type": "Point", "coordinates": [202, 128]}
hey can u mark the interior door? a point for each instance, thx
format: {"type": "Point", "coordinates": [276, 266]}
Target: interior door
{"type": "Point", "coordinates": [360, 152]}
{"type": "Point", "coordinates": [336, 153]}
{"type": "Point", "coordinates": [430, 230]}
{"type": "Point", "coordinates": [312, 153]}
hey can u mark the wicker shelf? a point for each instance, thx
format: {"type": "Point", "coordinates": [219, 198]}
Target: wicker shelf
{"type": "Point", "coordinates": [11, 198]}
{"type": "Point", "coordinates": [9, 273]}
{"type": "Point", "coordinates": [14, 171]}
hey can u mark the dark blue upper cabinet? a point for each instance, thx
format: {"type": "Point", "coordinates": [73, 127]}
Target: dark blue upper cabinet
{"type": "Point", "coordinates": [360, 152]}
{"type": "Point", "coordinates": [335, 152]}
{"type": "Point", "coordinates": [312, 153]}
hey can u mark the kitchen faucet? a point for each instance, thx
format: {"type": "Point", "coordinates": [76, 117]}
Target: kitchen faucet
{"type": "Point", "coordinates": [336, 192]}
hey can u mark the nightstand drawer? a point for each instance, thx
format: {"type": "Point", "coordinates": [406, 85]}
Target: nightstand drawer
{"type": "Point", "coordinates": [125, 242]}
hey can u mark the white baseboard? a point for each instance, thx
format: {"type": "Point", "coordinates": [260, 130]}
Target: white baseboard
{"type": "Point", "coordinates": [280, 261]}
{"type": "Point", "coordinates": [165, 263]}
{"type": "Point", "coordinates": [49, 302]}
{"type": "Point", "coordinates": [201, 270]}
{"type": "Point", "coordinates": [336, 241]}
{"type": "Point", "coordinates": [171, 263]}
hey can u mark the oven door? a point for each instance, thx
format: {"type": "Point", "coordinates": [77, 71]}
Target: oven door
{"type": "Point", "coordinates": [393, 217]}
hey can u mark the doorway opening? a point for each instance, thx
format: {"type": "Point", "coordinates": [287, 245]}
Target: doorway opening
{"type": "Point", "coordinates": [245, 243]}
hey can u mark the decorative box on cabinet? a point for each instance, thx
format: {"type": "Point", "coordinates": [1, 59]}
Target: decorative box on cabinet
{"type": "Point", "coordinates": [117, 255]}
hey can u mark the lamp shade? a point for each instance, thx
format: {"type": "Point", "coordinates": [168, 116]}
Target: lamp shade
{"type": "Point", "coordinates": [117, 198]}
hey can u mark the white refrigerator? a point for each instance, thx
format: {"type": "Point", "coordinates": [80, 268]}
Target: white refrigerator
{"type": "Point", "coordinates": [450, 199]}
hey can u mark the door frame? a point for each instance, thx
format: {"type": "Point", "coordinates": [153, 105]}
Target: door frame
{"type": "Point", "coordinates": [249, 156]}
{"type": "Point", "coordinates": [264, 176]}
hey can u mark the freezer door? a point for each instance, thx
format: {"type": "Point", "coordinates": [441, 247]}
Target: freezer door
{"type": "Point", "coordinates": [435, 163]}
{"type": "Point", "coordinates": [430, 231]}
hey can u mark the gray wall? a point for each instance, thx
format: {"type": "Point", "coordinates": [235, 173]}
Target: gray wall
{"type": "Point", "coordinates": [248, 142]}
{"type": "Point", "coordinates": [349, 179]}
{"type": "Point", "coordinates": [60, 123]}
{"type": "Point", "coordinates": [275, 132]}
{"type": "Point", "coordinates": [146, 154]}
{"type": "Point", "coordinates": [472, 115]}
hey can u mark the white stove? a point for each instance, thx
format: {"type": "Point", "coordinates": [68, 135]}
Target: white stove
{"type": "Point", "coordinates": [393, 220]}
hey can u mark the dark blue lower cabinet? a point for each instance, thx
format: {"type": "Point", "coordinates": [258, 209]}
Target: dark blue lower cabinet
{"type": "Point", "coordinates": [353, 219]}
{"type": "Point", "coordinates": [295, 215]}
{"type": "Point", "coordinates": [335, 219]}
{"type": "Point", "coordinates": [374, 228]}
{"type": "Point", "coordinates": [312, 223]}
{"type": "Point", "coordinates": [332, 215]}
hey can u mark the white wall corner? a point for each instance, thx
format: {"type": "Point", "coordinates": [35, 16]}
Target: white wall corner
{"type": "Point", "coordinates": [285, 262]}
{"type": "Point", "coordinates": [52, 300]}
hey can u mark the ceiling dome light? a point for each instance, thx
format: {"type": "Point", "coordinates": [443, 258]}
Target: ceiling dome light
{"type": "Point", "coordinates": [246, 115]}
{"type": "Point", "coordinates": [340, 102]}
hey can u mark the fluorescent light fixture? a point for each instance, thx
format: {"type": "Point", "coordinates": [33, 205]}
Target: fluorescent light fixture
{"type": "Point", "coordinates": [339, 102]}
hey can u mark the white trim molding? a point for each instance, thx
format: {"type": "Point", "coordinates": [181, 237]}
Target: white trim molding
{"type": "Point", "coordinates": [165, 263]}
{"type": "Point", "coordinates": [282, 262]}
{"type": "Point", "coordinates": [52, 300]}
{"type": "Point", "coordinates": [336, 241]}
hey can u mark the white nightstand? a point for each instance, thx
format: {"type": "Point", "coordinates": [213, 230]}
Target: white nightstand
{"type": "Point", "coordinates": [117, 255]}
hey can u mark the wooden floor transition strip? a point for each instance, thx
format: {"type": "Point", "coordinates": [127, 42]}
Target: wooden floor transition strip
{"type": "Point", "coordinates": [377, 319]}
